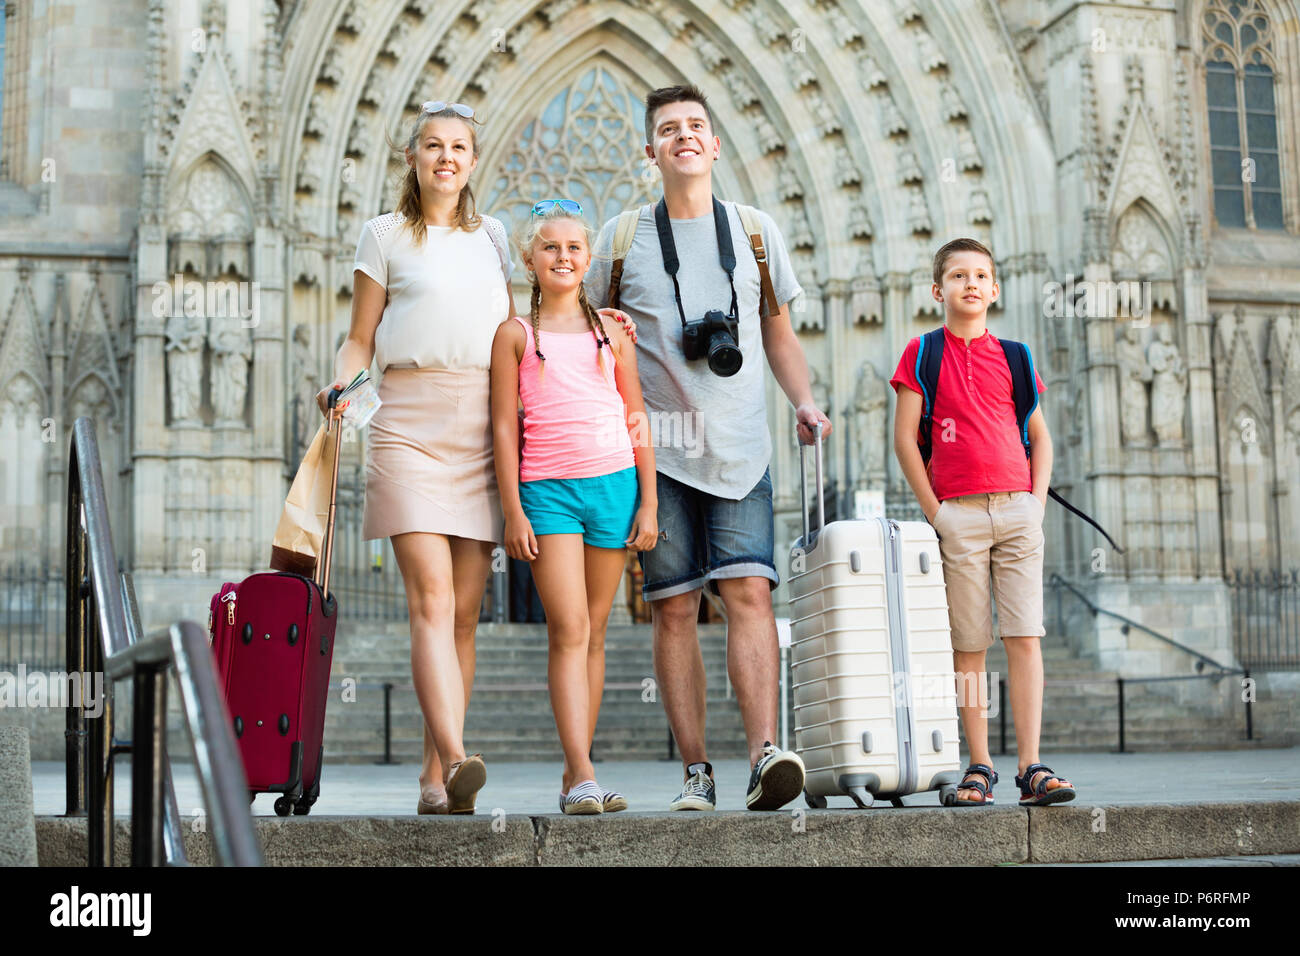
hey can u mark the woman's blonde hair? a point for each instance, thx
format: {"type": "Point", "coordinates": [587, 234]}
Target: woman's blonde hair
{"type": "Point", "coordinates": [466, 216]}
{"type": "Point", "coordinates": [525, 236]}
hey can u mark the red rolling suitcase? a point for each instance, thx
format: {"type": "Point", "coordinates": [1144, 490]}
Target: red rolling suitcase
{"type": "Point", "coordinates": [273, 638]}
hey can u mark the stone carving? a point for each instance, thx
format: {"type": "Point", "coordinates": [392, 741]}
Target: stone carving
{"type": "Point", "coordinates": [909, 170]}
{"type": "Point", "coordinates": [185, 338]}
{"type": "Point", "coordinates": [768, 138]}
{"type": "Point", "coordinates": [968, 154]}
{"type": "Point", "coordinates": [951, 106]}
{"type": "Point", "coordinates": [232, 352]}
{"type": "Point", "coordinates": [764, 25]}
{"type": "Point", "coordinates": [709, 52]}
{"type": "Point", "coordinates": [891, 120]}
{"type": "Point", "coordinates": [859, 219]}
{"type": "Point", "coordinates": [869, 72]}
{"type": "Point", "coordinates": [741, 90]}
{"type": "Point", "coordinates": [928, 53]}
{"type": "Point", "coordinates": [317, 122]}
{"type": "Point", "coordinates": [796, 66]}
{"type": "Point", "coordinates": [788, 185]}
{"type": "Point", "coordinates": [843, 29]}
{"type": "Point", "coordinates": [870, 405]}
{"type": "Point", "coordinates": [823, 115]}
{"type": "Point", "coordinates": [846, 171]}
{"type": "Point", "coordinates": [331, 67]}
{"type": "Point", "coordinates": [801, 234]}
{"type": "Point", "coordinates": [358, 137]}
{"type": "Point", "coordinates": [1168, 388]}
{"type": "Point", "coordinates": [396, 41]}
{"type": "Point", "coordinates": [305, 384]}
{"type": "Point", "coordinates": [865, 302]}
{"type": "Point", "coordinates": [918, 216]}
{"type": "Point", "coordinates": [352, 21]}
{"type": "Point", "coordinates": [1134, 379]}
{"type": "Point", "coordinates": [980, 211]}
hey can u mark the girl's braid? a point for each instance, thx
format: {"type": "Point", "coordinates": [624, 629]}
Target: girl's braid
{"type": "Point", "coordinates": [597, 327]}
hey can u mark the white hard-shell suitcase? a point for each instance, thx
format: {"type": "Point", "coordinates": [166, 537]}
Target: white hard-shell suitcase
{"type": "Point", "coordinates": [872, 672]}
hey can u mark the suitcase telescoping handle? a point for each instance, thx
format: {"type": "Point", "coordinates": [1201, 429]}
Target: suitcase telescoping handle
{"type": "Point", "coordinates": [322, 575]}
{"type": "Point", "coordinates": [803, 483]}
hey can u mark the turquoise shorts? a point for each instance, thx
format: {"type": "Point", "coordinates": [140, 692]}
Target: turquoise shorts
{"type": "Point", "coordinates": [600, 509]}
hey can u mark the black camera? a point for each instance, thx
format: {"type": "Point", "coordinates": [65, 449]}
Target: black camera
{"type": "Point", "coordinates": [714, 335]}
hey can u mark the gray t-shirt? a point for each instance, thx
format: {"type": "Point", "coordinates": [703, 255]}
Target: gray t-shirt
{"type": "Point", "coordinates": [709, 432]}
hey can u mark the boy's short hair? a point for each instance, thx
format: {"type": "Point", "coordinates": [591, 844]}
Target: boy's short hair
{"type": "Point", "coordinates": [672, 94]}
{"type": "Point", "coordinates": [960, 245]}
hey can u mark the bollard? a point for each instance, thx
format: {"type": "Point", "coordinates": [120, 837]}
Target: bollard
{"type": "Point", "coordinates": [1119, 681]}
{"type": "Point", "coordinates": [1250, 726]}
{"type": "Point", "coordinates": [388, 723]}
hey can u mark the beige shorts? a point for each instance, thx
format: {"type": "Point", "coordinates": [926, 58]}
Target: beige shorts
{"type": "Point", "coordinates": [996, 536]}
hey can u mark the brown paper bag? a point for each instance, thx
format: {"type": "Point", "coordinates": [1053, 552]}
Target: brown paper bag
{"type": "Point", "coordinates": [300, 534]}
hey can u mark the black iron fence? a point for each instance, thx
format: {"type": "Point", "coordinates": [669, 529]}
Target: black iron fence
{"type": "Point", "coordinates": [1266, 618]}
{"type": "Point", "coordinates": [31, 617]}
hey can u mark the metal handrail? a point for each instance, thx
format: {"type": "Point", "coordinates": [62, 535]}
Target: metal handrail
{"type": "Point", "coordinates": [1202, 659]}
{"type": "Point", "coordinates": [103, 636]}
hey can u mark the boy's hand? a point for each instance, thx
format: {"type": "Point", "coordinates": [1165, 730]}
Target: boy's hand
{"type": "Point", "coordinates": [929, 515]}
{"type": "Point", "coordinates": [521, 543]}
{"type": "Point", "coordinates": [645, 529]}
{"type": "Point", "coordinates": [806, 417]}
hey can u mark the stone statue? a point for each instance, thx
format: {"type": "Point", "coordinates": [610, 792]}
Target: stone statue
{"type": "Point", "coordinates": [870, 404]}
{"type": "Point", "coordinates": [232, 352]}
{"type": "Point", "coordinates": [305, 384]}
{"type": "Point", "coordinates": [1134, 374]}
{"type": "Point", "coordinates": [185, 335]}
{"type": "Point", "coordinates": [1168, 388]}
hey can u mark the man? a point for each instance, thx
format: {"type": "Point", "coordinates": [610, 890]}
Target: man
{"type": "Point", "coordinates": [711, 437]}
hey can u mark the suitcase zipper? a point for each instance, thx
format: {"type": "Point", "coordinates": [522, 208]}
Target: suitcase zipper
{"type": "Point", "coordinates": [907, 768]}
{"type": "Point", "coordinates": [229, 599]}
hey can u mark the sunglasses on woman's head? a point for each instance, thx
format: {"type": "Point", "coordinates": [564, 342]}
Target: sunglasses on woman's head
{"type": "Point", "coordinates": [570, 206]}
{"type": "Point", "coordinates": [437, 106]}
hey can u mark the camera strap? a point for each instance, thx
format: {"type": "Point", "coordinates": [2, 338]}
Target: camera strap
{"type": "Point", "coordinates": [726, 252]}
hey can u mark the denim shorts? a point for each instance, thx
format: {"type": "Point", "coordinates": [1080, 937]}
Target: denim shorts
{"type": "Point", "coordinates": [600, 509]}
{"type": "Point", "coordinates": [704, 538]}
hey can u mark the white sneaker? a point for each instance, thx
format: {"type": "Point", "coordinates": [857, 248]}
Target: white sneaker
{"type": "Point", "coordinates": [777, 779]}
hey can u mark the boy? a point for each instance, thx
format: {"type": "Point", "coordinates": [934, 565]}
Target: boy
{"type": "Point", "coordinates": [985, 500]}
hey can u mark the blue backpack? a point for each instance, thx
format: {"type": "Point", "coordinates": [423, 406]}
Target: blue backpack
{"type": "Point", "coordinates": [929, 356]}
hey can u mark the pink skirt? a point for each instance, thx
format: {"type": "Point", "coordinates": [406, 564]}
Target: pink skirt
{"type": "Point", "coordinates": [429, 456]}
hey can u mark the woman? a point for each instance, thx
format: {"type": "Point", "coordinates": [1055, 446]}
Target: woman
{"type": "Point", "coordinates": [430, 288]}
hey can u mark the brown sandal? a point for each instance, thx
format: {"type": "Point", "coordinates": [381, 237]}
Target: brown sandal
{"type": "Point", "coordinates": [464, 780]}
{"type": "Point", "coordinates": [431, 808]}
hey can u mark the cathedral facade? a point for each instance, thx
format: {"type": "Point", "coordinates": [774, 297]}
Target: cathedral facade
{"type": "Point", "coordinates": [183, 184]}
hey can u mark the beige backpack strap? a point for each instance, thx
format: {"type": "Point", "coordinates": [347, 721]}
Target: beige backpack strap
{"type": "Point", "coordinates": [754, 229]}
{"type": "Point", "coordinates": [624, 232]}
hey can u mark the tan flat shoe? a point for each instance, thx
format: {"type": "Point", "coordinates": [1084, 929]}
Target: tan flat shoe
{"type": "Point", "coordinates": [464, 781]}
{"type": "Point", "coordinates": [431, 807]}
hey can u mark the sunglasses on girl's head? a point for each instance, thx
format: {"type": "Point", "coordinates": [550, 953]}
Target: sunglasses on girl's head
{"type": "Point", "coordinates": [570, 206]}
{"type": "Point", "coordinates": [437, 106]}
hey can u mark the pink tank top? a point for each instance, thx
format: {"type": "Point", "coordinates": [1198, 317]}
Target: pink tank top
{"type": "Point", "coordinates": [575, 422]}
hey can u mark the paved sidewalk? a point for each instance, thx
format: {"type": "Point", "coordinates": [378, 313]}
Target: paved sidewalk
{"type": "Point", "coordinates": [1102, 779]}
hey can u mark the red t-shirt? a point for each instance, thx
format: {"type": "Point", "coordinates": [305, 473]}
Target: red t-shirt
{"type": "Point", "coordinates": [976, 445]}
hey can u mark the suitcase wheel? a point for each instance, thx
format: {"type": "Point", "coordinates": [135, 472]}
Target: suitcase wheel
{"type": "Point", "coordinates": [252, 795]}
{"type": "Point", "coordinates": [283, 806]}
{"type": "Point", "coordinates": [948, 796]}
{"type": "Point", "coordinates": [896, 801]}
{"type": "Point", "coordinates": [817, 803]}
{"type": "Point", "coordinates": [303, 806]}
{"type": "Point", "coordinates": [861, 796]}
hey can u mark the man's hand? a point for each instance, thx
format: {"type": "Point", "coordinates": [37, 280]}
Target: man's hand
{"type": "Point", "coordinates": [622, 318]}
{"type": "Point", "coordinates": [807, 416]}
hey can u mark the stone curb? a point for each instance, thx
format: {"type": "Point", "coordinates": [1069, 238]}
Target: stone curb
{"type": "Point", "coordinates": [18, 843]}
{"type": "Point", "coordinates": [885, 837]}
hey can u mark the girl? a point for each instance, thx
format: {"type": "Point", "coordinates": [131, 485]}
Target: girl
{"type": "Point", "coordinates": [430, 285]}
{"type": "Point", "coordinates": [571, 504]}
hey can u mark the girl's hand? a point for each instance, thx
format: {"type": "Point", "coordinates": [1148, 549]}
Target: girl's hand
{"type": "Point", "coordinates": [645, 529]}
{"type": "Point", "coordinates": [323, 397]}
{"type": "Point", "coordinates": [623, 319]}
{"type": "Point", "coordinates": [521, 543]}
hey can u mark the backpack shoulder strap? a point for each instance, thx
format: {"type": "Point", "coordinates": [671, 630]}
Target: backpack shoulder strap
{"type": "Point", "coordinates": [624, 233]}
{"type": "Point", "coordinates": [929, 356]}
{"type": "Point", "coordinates": [1023, 385]}
{"type": "Point", "coordinates": [753, 227]}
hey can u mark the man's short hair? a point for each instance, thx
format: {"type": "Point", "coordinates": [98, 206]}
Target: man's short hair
{"type": "Point", "coordinates": [672, 94]}
{"type": "Point", "coordinates": [960, 245]}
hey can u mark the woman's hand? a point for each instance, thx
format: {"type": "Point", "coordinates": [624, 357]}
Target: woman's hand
{"type": "Point", "coordinates": [645, 529]}
{"type": "Point", "coordinates": [623, 319]}
{"type": "Point", "coordinates": [521, 543]}
{"type": "Point", "coordinates": [323, 397]}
